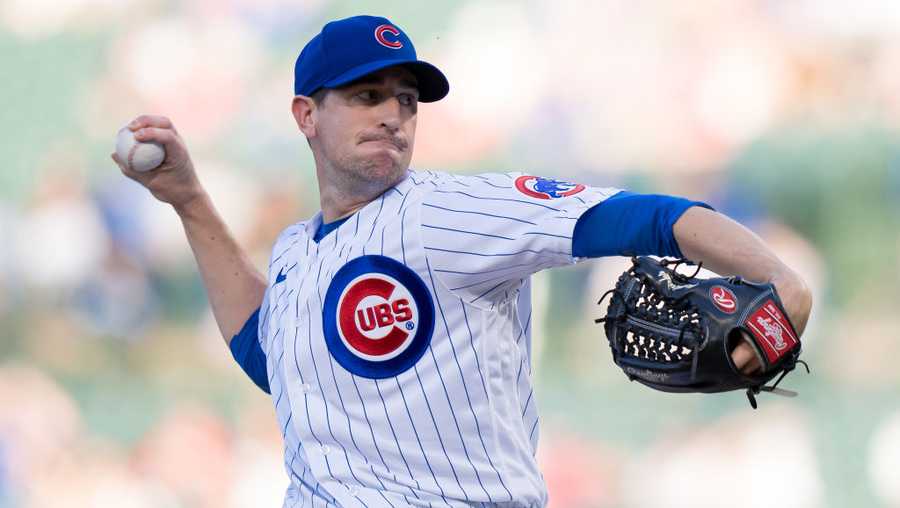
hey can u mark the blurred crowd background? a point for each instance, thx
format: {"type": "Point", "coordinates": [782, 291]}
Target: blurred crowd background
{"type": "Point", "coordinates": [117, 391]}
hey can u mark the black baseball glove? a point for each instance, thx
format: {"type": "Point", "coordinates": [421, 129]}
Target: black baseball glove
{"type": "Point", "coordinates": [675, 332]}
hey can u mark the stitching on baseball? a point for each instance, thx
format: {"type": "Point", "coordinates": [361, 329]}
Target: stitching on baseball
{"type": "Point", "coordinates": [131, 152]}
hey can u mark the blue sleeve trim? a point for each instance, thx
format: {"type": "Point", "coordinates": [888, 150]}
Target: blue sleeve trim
{"type": "Point", "coordinates": [629, 224]}
{"type": "Point", "coordinates": [248, 354]}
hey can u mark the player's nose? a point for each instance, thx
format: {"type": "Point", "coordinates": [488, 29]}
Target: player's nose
{"type": "Point", "coordinates": [390, 114]}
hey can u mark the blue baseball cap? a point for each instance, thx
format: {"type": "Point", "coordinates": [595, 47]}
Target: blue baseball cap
{"type": "Point", "coordinates": [348, 49]}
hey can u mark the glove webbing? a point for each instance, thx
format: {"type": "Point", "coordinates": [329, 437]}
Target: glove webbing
{"type": "Point", "coordinates": [647, 329]}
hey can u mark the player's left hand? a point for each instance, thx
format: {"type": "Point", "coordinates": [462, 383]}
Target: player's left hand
{"type": "Point", "coordinates": [672, 331]}
{"type": "Point", "coordinates": [797, 301]}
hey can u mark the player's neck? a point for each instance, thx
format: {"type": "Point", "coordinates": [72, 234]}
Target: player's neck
{"type": "Point", "coordinates": [337, 212]}
{"type": "Point", "coordinates": [339, 199]}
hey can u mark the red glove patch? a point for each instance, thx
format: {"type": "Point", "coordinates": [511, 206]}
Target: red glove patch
{"type": "Point", "coordinates": [772, 331]}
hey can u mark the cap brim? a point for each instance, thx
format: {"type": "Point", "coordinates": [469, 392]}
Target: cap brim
{"type": "Point", "coordinates": [432, 84]}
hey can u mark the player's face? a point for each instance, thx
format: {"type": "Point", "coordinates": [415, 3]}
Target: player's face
{"type": "Point", "coordinates": [367, 129]}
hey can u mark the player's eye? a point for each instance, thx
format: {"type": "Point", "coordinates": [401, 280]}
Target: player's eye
{"type": "Point", "coordinates": [368, 96]}
{"type": "Point", "coordinates": [406, 99]}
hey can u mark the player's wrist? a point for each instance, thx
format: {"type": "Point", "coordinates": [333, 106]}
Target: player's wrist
{"type": "Point", "coordinates": [795, 296]}
{"type": "Point", "coordinates": [194, 205]}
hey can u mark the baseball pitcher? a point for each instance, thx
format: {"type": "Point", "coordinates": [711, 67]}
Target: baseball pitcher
{"type": "Point", "coordinates": [392, 329]}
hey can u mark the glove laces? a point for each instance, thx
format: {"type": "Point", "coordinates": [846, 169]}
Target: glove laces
{"type": "Point", "coordinates": [754, 390]}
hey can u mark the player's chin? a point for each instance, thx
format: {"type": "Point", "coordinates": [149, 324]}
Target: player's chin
{"type": "Point", "coordinates": [385, 165]}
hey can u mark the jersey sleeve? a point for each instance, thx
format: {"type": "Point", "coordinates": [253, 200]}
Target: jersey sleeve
{"type": "Point", "coordinates": [484, 234]}
{"type": "Point", "coordinates": [247, 352]}
{"type": "Point", "coordinates": [629, 224]}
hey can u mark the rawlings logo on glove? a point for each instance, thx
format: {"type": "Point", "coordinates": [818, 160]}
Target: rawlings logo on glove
{"type": "Point", "coordinates": [675, 333]}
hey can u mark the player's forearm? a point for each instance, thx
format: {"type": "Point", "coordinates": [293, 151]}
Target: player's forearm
{"type": "Point", "coordinates": [234, 286]}
{"type": "Point", "coordinates": [728, 248]}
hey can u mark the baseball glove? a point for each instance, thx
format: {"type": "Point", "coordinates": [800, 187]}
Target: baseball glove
{"type": "Point", "coordinates": [675, 333]}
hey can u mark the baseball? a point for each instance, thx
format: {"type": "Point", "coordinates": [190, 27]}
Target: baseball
{"type": "Point", "coordinates": [136, 155]}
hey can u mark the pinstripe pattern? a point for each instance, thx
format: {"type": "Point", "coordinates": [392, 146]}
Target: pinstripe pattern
{"type": "Point", "coordinates": [458, 428]}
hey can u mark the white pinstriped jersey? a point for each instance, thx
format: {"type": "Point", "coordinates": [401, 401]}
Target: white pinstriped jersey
{"type": "Point", "coordinates": [398, 347]}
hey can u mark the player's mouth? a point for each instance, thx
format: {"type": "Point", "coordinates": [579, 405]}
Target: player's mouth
{"type": "Point", "coordinates": [387, 141]}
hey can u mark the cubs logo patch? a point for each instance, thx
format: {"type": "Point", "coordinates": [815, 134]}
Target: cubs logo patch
{"type": "Point", "coordinates": [388, 29]}
{"type": "Point", "coordinates": [378, 317]}
{"type": "Point", "coordinates": [546, 188]}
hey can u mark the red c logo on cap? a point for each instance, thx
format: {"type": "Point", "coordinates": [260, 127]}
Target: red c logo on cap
{"type": "Point", "coordinates": [379, 36]}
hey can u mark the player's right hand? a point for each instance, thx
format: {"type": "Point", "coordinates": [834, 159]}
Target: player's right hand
{"type": "Point", "coordinates": [174, 181]}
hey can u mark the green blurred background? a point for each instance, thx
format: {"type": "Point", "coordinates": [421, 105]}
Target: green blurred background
{"type": "Point", "coordinates": [116, 390]}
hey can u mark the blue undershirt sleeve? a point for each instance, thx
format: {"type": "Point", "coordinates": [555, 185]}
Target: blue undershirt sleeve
{"type": "Point", "coordinates": [629, 224]}
{"type": "Point", "coordinates": [249, 355]}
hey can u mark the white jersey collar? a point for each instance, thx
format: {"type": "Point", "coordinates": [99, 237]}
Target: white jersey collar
{"type": "Point", "coordinates": [402, 187]}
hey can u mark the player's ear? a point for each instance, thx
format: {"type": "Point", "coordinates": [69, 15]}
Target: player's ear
{"type": "Point", "coordinates": [304, 110]}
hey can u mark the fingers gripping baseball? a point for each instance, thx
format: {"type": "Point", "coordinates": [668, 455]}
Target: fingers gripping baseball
{"type": "Point", "coordinates": [165, 137]}
{"type": "Point", "coordinates": [152, 121]}
{"type": "Point", "coordinates": [174, 181]}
